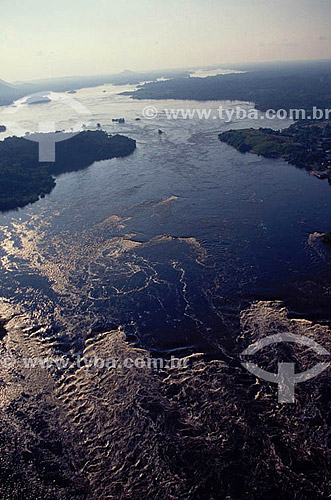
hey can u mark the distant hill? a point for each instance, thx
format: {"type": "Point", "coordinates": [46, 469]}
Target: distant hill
{"type": "Point", "coordinates": [269, 85]}
{"type": "Point", "coordinates": [8, 93]}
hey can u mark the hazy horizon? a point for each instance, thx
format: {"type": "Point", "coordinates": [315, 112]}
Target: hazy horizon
{"type": "Point", "coordinates": [156, 70]}
{"type": "Point", "coordinates": [80, 38]}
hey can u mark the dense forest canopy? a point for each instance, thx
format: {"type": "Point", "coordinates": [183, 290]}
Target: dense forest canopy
{"type": "Point", "coordinates": [23, 179]}
{"type": "Point", "coordinates": [269, 86]}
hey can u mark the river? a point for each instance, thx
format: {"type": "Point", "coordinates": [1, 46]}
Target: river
{"type": "Point", "coordinates": [169, 243]}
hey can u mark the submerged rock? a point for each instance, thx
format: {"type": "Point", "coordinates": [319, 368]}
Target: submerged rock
{"type": "Point", "coordinates": [326, 238]}
{"type": "Point", "coordinates": [3, 331]}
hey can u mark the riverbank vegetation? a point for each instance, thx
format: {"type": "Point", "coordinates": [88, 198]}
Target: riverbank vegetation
{"type": "Point", "coordinates": [306, 144]}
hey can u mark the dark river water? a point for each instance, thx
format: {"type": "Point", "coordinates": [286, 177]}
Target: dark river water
{"type": "Point", "coordinates": [171, 242]}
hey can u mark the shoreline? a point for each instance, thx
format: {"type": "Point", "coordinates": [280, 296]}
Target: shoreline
{"type": "Point", "coordinates": [24, 179]}
{"type": "Point", "coordinates": [304, 144]}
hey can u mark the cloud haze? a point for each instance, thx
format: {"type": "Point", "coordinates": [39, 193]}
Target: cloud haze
{"type": "Point", "coordinates": [67, 37]}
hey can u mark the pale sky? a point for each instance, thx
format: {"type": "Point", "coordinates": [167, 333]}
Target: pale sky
{"type": "Point", "coordinates": [42, 38]}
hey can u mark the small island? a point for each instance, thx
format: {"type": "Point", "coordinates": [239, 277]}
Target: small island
{"type": "Point", "coordinates": [37, 99]}
{"type": "Point", "coordinates": [24, 180]}
{"type": "Point", "coordinates": [306, 144]}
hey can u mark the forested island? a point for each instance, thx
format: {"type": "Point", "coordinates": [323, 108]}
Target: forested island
{"type": "Point", "coordinates": [24, 180]}
{"type": "Point", "coordinates": [306, 144]}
